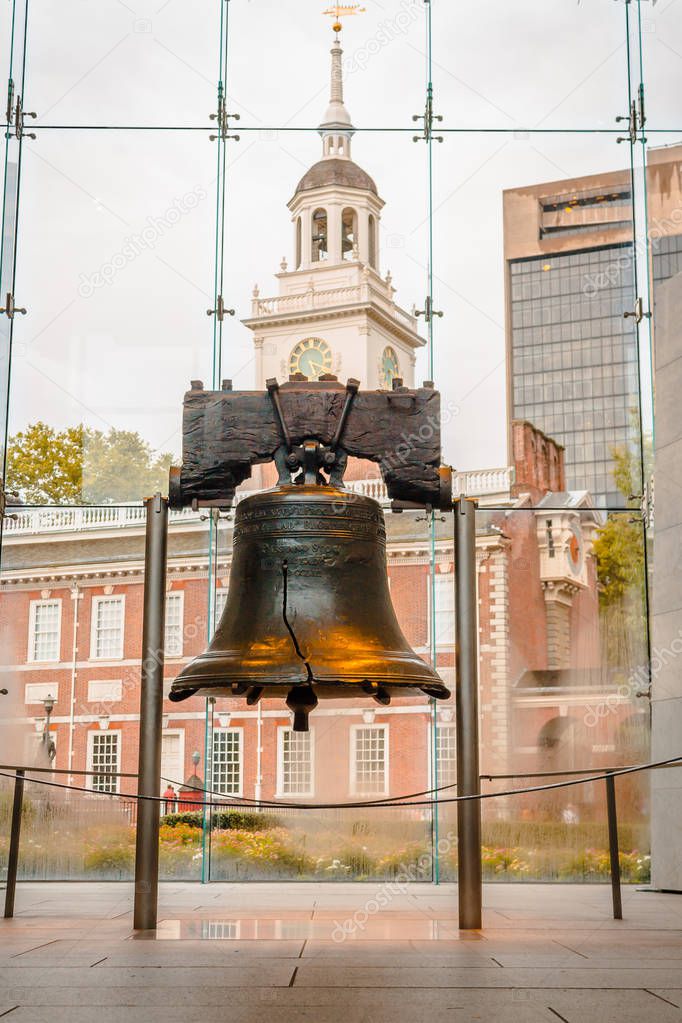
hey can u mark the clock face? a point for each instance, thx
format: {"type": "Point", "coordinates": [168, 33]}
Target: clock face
{"type": "Point", "coordinates": [575, 550]}
{"type": "Point", "coordinates": [312, 356]}
{"type": "Point", "coordinates": [389, 368]}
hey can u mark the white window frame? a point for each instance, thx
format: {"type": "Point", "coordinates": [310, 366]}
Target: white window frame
{"type": "Point", "coordinates": [179, 596]}
{"type": "Point", "coordinates": [35, 604]}
{"type": "Point", "coordinates": [91, 751]}
{"type": "Point", "coordinates": [219, 590]}
{"type": "Point", "coordinates": [281, 793]}
{"type": "Point", "coordinates": [354, 730]}
{"type": "Point", "coordinates": [441, 727]}
{"type": "Point", "coordinates": [96, 601]}
{"type": "Point", "coordinates": [222, 731]}
{"type": "Point", "coordinates": [47, 688]}
{"type": "Point", "coordinates": [117, 683]}
{"type": "Point", "coordinates": [180, 732]}
{"type": "Point", "coordinates": [442, 644]}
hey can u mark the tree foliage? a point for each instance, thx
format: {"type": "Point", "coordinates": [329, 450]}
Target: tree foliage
{"type": "Point", "coordinates": [621, 565]}
{"type": "Point", "coordinates": [82, 465]}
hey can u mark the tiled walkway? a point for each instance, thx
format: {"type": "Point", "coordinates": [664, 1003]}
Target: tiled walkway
{"type": "Point", "coordinates": [340, 954]}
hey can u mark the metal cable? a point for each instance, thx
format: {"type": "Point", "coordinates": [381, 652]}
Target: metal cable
{"type": "Point", "coordinates": [360, 805]}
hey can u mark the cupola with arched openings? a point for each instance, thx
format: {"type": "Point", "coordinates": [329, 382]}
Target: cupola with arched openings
{"type": "Point", "coordinates": [335, 312]}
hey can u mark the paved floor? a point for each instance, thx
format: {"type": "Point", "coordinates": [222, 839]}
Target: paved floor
{"type": "Point", "coordinates": [346, 953]}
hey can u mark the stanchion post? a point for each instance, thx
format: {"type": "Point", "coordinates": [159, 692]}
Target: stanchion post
{"type": "Point", "coordinates": [151, 706]}
{"type": "Point", "coordinates": [15, 835]}
{"type": "Point", "coordinates": [614, 852]}
{"type": "Point", "coordinates": [470, 890]}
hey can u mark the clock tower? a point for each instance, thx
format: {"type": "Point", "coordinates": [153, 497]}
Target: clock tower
{"type": "Point", "coordinates": [334, 312]}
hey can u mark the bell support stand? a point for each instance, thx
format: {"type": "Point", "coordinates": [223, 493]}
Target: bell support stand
{"type": "Point", "coordinates": [151, 721]}
{"type": "Point", "coordinates": [469, 887]}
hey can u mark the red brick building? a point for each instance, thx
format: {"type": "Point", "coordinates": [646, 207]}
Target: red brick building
{"type": "Point", "coordinates": [71, 606]}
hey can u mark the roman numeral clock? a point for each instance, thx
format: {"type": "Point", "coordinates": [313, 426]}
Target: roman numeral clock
{"type": "Point", "coordinates": [312, 356]}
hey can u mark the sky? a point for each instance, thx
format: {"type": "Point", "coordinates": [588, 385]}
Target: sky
{"type": "Point", "coordinates": [117, 239]}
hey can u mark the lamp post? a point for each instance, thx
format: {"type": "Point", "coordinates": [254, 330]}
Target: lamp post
{"type": "Point", "coordinates": [48, 704]}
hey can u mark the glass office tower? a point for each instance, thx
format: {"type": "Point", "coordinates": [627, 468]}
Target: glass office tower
{"type": "Point", "coordinates": [571, 337]}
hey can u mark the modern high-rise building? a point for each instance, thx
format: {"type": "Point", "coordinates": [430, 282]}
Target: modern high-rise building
{"type": "Point", "coordinates": [571, 351]}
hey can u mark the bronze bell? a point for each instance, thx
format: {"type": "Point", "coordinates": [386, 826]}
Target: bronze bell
{"type": "Point", "coordinates": [308, 612]}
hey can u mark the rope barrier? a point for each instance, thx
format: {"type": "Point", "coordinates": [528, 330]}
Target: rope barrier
{"type": "Point", "coordinates": [617, 772]}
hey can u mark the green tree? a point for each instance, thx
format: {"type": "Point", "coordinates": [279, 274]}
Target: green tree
{"type": "Point", "coordinates": [83, 465]}
{"type": "Point", "coordinates": [621, 566]}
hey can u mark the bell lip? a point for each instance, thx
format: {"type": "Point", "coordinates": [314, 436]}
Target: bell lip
{"type": "Point", "coordinates": [327, 688]}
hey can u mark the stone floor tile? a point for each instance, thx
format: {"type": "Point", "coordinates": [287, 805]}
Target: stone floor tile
{"type": "Point", "coordinates": [610, 1007]}
{"type": "Point", "coordinates": [279, 974]}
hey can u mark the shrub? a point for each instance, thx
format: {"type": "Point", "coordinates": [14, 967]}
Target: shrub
{"type": "Point", "coordinates": [223, 820]}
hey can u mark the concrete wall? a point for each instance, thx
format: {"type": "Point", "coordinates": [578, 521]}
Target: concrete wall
{"type": "Point", "coordinates": [667, 596]}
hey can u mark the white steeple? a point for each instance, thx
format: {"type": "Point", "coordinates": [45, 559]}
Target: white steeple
{"type": "Point", "coordinates": [336, 128]}
{"type": "Point", "coordinates": [335, 312]}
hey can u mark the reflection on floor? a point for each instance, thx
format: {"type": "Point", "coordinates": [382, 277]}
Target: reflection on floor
{"type": "Point", "coordinates": [347, 953]}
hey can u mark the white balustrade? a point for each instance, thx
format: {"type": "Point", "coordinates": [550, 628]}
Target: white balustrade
{"type": "Point", "coordinates": [31, 521]}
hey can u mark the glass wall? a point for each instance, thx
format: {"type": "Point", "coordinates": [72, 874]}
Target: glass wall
{"type": "Point", "coordinates": [485, 197]}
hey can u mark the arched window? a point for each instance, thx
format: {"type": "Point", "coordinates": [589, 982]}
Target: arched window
{"type": "Point", "coordinates": [320, 249]}
{"type": "Point", "coordinates": [372, 242]}
{"type": "Point", "coordinates": [349, 232]}
{"type": "Point", "coordinates": [298, 243]}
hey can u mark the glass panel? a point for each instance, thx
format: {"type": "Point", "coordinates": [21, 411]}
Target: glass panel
{"type": "Point", "coordinates": [308, 320]}
{"type": "Point", "coordinates": [659, 31]}
{"type": "Point", "coordinates": [564, 677]}
{"type": "Point", "coordinates": [573, 59]}
{"type": "Point", "coordinates": [71, 611]}
{"type": "Point", "coordinates": [385, 45]}
{"type": "Point", "coordinates": [543, 292]}
{"type": "Point", "coordinates": [119, 66]}
{"type": "Point", "coordinates": [116, 250]}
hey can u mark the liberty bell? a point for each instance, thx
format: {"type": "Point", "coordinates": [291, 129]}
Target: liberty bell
{"type": "Point", "coordinates": [308, 614]}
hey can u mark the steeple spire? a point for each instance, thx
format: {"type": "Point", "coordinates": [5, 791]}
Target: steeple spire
{"type": "Point", "coordinates": [336, 128]}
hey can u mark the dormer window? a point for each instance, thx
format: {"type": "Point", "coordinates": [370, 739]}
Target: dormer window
{"type": "Point", "coordinates": [319, 238]}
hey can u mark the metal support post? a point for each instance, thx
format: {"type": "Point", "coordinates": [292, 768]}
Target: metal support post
{"type": "Point", "coordinates": [613, 846]}
{"type": "Point", "coordinates": [151, 706]}
{"type": "Point", "coordinates": [468, 782]}
{"type": "Point", "coordinates": [15, 834]}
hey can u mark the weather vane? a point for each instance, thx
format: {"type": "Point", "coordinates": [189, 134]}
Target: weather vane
{"type": "Point", "coordinates": [339, 11]}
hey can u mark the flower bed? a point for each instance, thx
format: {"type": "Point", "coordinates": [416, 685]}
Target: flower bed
{"type": "Point", "coordinates": [251, 846]}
